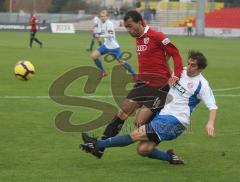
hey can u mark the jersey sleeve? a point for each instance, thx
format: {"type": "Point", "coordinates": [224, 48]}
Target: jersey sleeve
{"type": "Point", "coordinates": [99, 28]}
{"type": "Point", "coordinates": [31, 21]}
{"type": "Point", "coordinates": [171, 51]}
{"type": "Point", "coordinates": [206, 95]}
{"type": "Point", "coordinates": [95, 21]}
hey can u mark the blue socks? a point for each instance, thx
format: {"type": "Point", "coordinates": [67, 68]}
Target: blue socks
{"type": "Point", "coordinates": [158, 154]}
{"type": "Point", "coordinates": [125, 65]}
{"type": "Point", "coordinates": [129, 68]}
{"type": "Point", "coordinates": [117, 141]}
{"type": "Point", "coordinates": [99, 64]}
{"type": "Point", "coordinates": [124, 140]}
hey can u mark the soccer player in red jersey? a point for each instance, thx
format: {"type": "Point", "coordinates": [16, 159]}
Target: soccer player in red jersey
{"type": "Point", "coordinates": [149, 93]}
{"type": "Point", "coordinates": [33, 22]}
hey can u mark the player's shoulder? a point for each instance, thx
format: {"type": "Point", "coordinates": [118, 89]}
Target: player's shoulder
{"type": "Point", "coordinates": [159, 36]}
{"type": "Point", "coordinates": [203, 81]}
{"type": "Point", "coordinates": [109, 22]}
{"type": "Point", "coordinates": [157, 33]}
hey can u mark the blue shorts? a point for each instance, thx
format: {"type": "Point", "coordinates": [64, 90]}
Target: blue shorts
{"type": "Point", "coordinates": [114, 52]}
{"type": "Point", "coordinates": [167, 127]}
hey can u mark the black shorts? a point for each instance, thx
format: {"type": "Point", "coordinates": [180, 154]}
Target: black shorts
{"type": "Point", "coordinates": [33, 33]}
{"type": "Point", "coordinates": [151, 134]}
{"type": "Point", "coordinates": [152, 97]}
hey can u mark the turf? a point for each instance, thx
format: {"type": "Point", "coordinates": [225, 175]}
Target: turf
{"type": "Point", "coordinates": [32, 148]}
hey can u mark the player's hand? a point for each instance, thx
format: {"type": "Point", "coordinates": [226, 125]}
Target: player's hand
{"type": "Point", "coordinates": [172, 80]}
{"type": "Point", "coordinates": [210, 130]}
{"type": "Point", "coordinates": [97, 36]}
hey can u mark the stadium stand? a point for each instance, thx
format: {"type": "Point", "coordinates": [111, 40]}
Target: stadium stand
{"type": "Point", "coordinates": [223, 18]}
{"type": "Point", "coordinates": [171, 14]}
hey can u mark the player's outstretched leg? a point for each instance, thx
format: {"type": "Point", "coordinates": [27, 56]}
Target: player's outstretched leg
{"type": "Point", "coordinates": [129, 69]}
{"type": "Point", "coordinates": [92, 145]}
{"type": "Point", "coordinates": [30, 42]}
{"type": "Point", "coordinates": [127, 66]}
{"type": "Point", "coordinates": [39, 42]}
{"type": "Point", "coordinates": [112, 129]}
{"type": "Point", "coordinates": [169, 156]}
{"type": "Point", "coordinates": [95, 56]}
{"type": "Point", "coordinates": [89, 145]}
{"type": "Point", "coordinates": [99, 65]}
{"type": "Point", "coordinates": [174, 159]}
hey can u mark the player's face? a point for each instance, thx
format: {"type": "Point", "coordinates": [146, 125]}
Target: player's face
{"type": "Point", "coordinates": [103, 17]}
{"type": "Point", "coordinates": [192, 68]}
{"type": "Point", "coordinates": [133, 28]}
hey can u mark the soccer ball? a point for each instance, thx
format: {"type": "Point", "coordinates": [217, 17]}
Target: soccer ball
{"type": "Point", "coordinates": [24, 70]}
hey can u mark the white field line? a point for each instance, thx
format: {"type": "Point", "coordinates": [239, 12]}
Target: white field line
{"type": "Point", "coordinates": [93, 96]}
{"type": "Point", "coordinates": [225, 89]}
{"type": "Point", "coordinates": [48, 97]}
{"type": "Point", "coordinates": [109, 96]}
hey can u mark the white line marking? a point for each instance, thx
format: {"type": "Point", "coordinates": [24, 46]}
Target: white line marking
{"type": "Point", "coordinates": [226, 89]}
{"type": "Point", "coordinates": [48, 97]}
{"type": "Point", "coordinates": [90, 96]}
{"type": "Point", "coordinates": [109, 96]}
{"type": "Point", "coordinates": [227, 95]}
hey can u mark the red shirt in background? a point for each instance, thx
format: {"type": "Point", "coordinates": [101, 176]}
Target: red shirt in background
{"type": "Point", "coordinates": [33, 22]}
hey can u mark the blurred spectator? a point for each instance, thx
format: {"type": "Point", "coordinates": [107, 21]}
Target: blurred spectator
{"type": "Point", "coordinates": [138, 4]}
{"type": "Point", "coordinates": [147, 14]}
{"type": "Point", "coordinates": [189, 28]}
{"type": "Point", "coordinates": [116, 13]}
{"type": "Point", "coordinates": [154, 11]}
{"type": "Point", "coordinates": [121, 12]}
{"type": "Point", "coordinates": [111, 12]}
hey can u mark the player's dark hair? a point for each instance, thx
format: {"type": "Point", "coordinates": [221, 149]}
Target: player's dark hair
{"type": "Point", "coordinates": [199, 57]}
{"type": "Point", "coordinates": [136, 16]}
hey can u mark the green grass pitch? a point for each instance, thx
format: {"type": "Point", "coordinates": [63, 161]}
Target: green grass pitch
{"type": "Point", "coordinates": [33, 149]}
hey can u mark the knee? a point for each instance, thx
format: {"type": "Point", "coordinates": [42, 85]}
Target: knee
{"type": "Point", "coordinates": [138, 123]}
{"type": "Point", "coordinates": [143, 150]}
{"type": "Point", "coordinates": [121, 62]}
{"type": "Point", "coordinates": [93, 56]}
{"type": "Point", "coordinates": [138, 134]}
{"type": "Point", "coordinates": [122, 115]}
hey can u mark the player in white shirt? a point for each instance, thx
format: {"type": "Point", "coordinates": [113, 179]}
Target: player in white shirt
{"type": "Point", "coordinates": [109, 46]}
{"type": "Point", "coordinates": [172, 120]}
{"type": "Point", "coordinates": [96, 23]}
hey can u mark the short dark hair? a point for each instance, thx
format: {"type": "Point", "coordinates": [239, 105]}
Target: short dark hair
{"type": "Point", "coordinates": [136, 16]}
{"type": "Point", "coordinates": [199, 57]}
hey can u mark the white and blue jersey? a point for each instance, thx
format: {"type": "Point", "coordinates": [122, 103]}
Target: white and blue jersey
{"type": "Point", "coordinates": [96, 22]}
{"type": "Point", "coordinates": [185, 95]}
{"type": "Point", "coordinates": [108, 33]}
{"type": "Point", "coordinates": [111, 47]}
{"type": "Point", "coordinates": [182, 99]}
